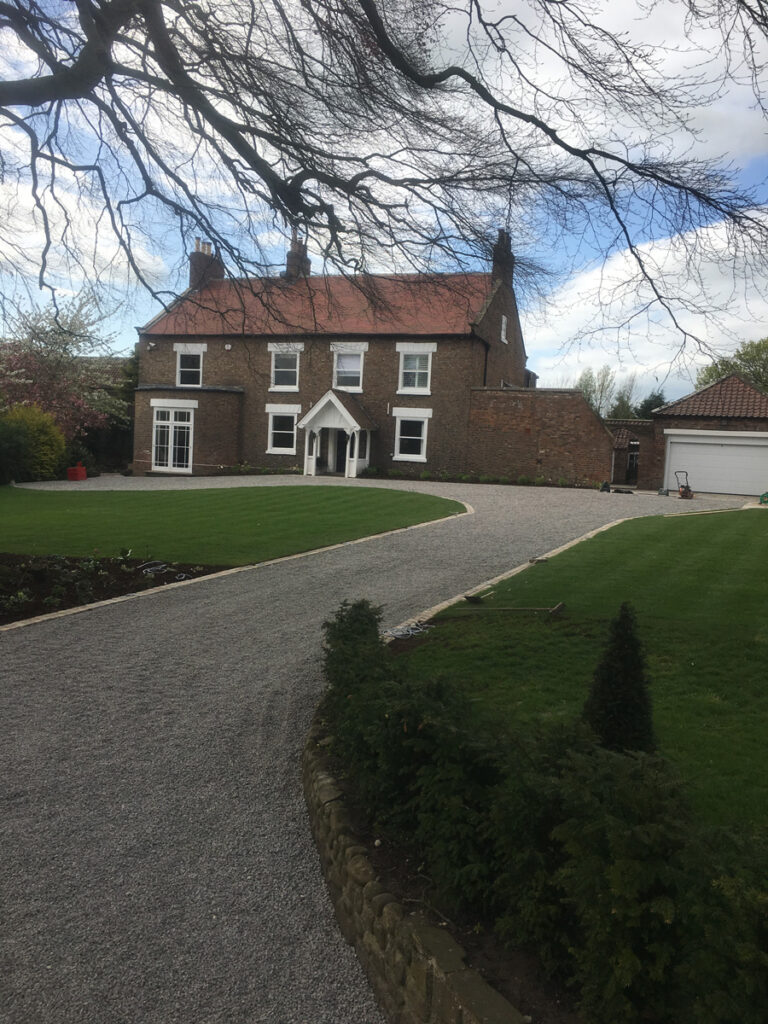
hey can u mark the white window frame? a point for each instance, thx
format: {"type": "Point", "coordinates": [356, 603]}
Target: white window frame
{"type": "Point", "coordinates": [172, 407]}
{"type": "Point", "coordinates": [348, 348]}
{"type": "Point", "coordinates": [283, 348]}
{"type": "Point", "coordinates": [400, 414]}
{"type": "Point", "coordinates": [185, 348]}
{"type": "Point", "coordinates": [274, 410]}
{"type": "Point", "coordinates": [415, 348]}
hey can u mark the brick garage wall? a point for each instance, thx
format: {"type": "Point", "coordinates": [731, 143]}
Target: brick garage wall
{"type": "Point", "coordinates": [549, 433]}
{"type": "Point", "coordinates": [217, 428]}
{"type": "Point", "coordinates": [662, 423]}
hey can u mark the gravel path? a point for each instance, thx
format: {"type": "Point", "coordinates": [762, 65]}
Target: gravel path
{"type": "Point", "coordinates": [156, 860]}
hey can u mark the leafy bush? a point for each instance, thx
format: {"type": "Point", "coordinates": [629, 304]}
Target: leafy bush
{"type": "Point", "coordinates": [14, 447]}
{"type": "Point", "coordinates": [540, 481]}
{"type": "Point", "coordinates": [425, 475]}
{"type": "Point", "coordinates": [35, 444]}
{"type": "Point", "coordinates": [587, 856]}
{"type": "Point", "coordinates": [623, 876]}
{"type": "Point", "coordinates": [523, 480]}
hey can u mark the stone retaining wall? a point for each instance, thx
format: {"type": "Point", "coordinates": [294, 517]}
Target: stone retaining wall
{"type": "Point", "coordinates": [416, 970]}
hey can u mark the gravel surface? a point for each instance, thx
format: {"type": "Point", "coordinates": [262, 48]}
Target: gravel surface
{"type": "Point", "coordinates": [156, 859]}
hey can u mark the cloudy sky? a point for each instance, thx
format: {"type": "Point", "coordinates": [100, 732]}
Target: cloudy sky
{"type": "Point", "coordinates": [575, 326]}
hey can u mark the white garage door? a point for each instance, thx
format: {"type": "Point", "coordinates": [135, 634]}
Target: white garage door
{"type": "Point", "coordinates": [719, 461]}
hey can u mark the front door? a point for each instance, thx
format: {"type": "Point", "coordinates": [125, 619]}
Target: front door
{"type": "Point", "coordinates": [341, 451]}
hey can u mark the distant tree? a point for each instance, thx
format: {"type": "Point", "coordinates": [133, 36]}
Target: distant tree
{"type": "Point", "coordinates": [598, 388]}
{"type": "Point", "coordinates": [622, 408]}
{"type": "Point", "coordinates": [56, 359]}
{"type": "Point", "coordinates": [750, 360]}
{"type": "Point", "coordinates": [644, 409]}
{"type": "Point", "coordinates": [618, 708]}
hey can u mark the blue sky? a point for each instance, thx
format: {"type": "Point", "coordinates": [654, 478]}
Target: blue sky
{"type": "Point", "coordinates": [574, 328]}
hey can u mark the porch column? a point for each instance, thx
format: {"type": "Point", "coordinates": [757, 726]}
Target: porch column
{"type": "Point", "coordinates": [310, 452]}
{"type": "Point", "coordinates": [352, 449]}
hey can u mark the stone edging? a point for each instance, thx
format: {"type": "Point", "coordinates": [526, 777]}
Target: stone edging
{"type": "Point", "coordinates": [417, 971]}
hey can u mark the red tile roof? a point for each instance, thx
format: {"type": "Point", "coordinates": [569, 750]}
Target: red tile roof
{"type": "Point", "coordinates": [730, 397]}
{"type": "Point", "coordinates": [409, 304]}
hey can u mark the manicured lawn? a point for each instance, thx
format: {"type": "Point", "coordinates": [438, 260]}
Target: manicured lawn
{"type": "Point", "coordinates": [235, 526]}
{"type": "Point", "coordinates": [698, 585]}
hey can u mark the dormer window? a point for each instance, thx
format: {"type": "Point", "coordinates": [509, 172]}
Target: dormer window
{"type": "Point", "coordinates": [189, 364]}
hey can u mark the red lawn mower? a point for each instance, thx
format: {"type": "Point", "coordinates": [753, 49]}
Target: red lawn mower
{"type": "Point", "coordinates": [683, 490]}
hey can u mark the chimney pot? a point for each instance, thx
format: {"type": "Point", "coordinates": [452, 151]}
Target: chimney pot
{"type": "Point", "coordinates": [297, 263]}
{"type": "Point", "coordinates": [503, 267]}
{"type": "Point", "coordinates": [203, 266]}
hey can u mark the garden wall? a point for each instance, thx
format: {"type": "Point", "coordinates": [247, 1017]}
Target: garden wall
{"type": "Point", "coordinates": [416, 970]}
{"type": "Point", "coordinates": [552, 434]}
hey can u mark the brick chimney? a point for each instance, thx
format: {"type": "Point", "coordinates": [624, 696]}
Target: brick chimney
{"type": "Point", "coordinates": [204, 266]}
{"type": "Point", "coordinates": [297, 263]}
{"type": "Point", "coordinates": [503, 267]}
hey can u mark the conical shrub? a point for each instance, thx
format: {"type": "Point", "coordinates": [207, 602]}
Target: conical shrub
{"type": "Point", "coordinates": [618, 708]}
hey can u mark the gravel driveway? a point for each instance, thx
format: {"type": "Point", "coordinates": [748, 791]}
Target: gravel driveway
{"type": "Point", "coordinates": [156, 860]}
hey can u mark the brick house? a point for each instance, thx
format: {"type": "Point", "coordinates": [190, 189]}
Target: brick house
{"type": "Point", "coordinates": [331, 375]}
{"type": "Point", "coordinates": [718, 435]}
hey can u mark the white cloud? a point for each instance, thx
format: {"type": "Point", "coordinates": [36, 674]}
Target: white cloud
{"type": "Point", "coordinates": [602, 316]}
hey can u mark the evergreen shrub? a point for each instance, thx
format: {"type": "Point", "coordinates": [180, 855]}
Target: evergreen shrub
{"type": "Point", "coordinates": [618, 708]}
{"type": "Point", "coordinates": [587, 856]}
{"type": "Point", "coordinates": [34, 444]}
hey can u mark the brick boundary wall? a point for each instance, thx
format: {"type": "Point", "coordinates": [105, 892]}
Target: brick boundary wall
{"type": "Point", "coordinates": [417, 971]}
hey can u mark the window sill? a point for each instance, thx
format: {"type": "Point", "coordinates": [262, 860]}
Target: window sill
{"type": "Point", "coordinates": [280, 451]}
{"type": "Point", "coordinates": [284, 387]}
{"type": "Point", "coordinates": [341, 387]}
{"type": "Point", "coordinates": [414, 391]}
{"type": "Point", "coordinates": [409, 458]}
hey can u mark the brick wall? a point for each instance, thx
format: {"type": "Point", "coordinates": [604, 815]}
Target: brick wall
{"type": "Point", "coordinates": [505, 361]}
{"type": "Point", "coordinates": [217, 427]}
{"type": "Point", "coordinates": [537, 433]}
{"type": "Point", "coordinates": [456, 364]}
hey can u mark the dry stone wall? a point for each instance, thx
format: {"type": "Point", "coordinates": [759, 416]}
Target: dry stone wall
{"type": "Point", "coordinates": [417, 971]}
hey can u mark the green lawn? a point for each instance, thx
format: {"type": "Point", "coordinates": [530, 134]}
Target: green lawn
{"type": "Point", "coordinates": [234, 526]}
{"type": "Point", "coordinates": [698, 585]}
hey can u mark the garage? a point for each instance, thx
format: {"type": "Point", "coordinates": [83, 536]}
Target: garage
{"type": "Point", "coordinates": [718, 461]}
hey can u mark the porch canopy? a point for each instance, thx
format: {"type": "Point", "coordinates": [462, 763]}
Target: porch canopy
{"type": "Point", "coordinates": [338, 435]}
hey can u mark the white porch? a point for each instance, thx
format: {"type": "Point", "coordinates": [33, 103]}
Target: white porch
{"type": "Point", "coordinates": [338, 436]}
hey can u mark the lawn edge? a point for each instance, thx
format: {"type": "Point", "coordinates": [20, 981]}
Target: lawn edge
{"type": "Point", "coordinates": [430, 613]}
{"type": "Point", "coordinates": [468, 511]}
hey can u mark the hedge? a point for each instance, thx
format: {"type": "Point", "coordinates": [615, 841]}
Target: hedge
{"type": "Point", "coordinates": [589, 857]}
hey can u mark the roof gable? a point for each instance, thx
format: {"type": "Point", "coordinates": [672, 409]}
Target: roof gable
{"type": "Point", "coordinates": [407, 304]}
{"type": "Point", "coordinates": [731, 397]}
